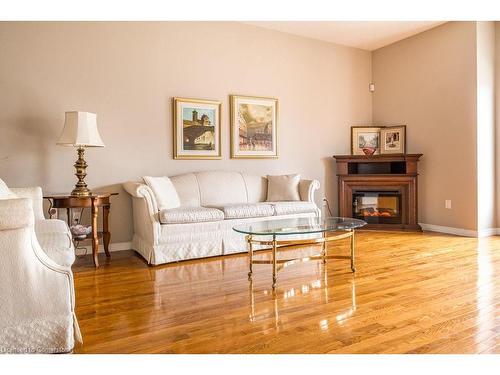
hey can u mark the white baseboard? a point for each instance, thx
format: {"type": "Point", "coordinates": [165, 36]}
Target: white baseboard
{"type": "Point", "coordinates": [488, 232]}
{"type": "Point", "coordinates": [461, 232]}
{"type": "Point", "coordinates": [449, 230]}
{"type": "Point", "coordinates": [117, 246]}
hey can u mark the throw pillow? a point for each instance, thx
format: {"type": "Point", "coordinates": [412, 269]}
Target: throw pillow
{"type": "Point", "coordinates": [5, 192]}
{"type": "Point", "coordinates": [283, 188]}
{"type": "Point", "coordinates": [164, 192]}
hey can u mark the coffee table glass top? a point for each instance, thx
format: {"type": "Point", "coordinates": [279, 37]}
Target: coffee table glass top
{"type": "Point", "coordinates": [285, 227]}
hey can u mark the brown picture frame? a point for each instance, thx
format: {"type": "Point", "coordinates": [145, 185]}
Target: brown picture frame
{"type": "Point", "coordinates": [365, 131]}
{"type": "Point", "coordinates": [393, 140]}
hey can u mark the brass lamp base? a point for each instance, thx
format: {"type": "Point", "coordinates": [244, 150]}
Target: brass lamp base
{"type": "Point", "coordinates": [81, 192]}
{"type": "Point", "coordinates": [81, 189]}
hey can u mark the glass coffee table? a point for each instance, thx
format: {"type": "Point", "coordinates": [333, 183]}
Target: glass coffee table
{"type": "Point", "coordinates": [297, 232]}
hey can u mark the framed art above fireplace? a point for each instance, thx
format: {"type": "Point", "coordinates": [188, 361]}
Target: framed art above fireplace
{"type": "Point", "coordinates": [365, 140]}
{"type": "Point", "coordinates": [393, 139]}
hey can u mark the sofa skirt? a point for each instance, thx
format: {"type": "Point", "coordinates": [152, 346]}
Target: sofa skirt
{"type": "Point", "coordinates": [199, 240]}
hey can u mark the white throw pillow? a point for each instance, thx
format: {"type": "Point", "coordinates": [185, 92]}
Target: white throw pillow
{"type": "Point", "coordinates": [283, 188]}
{"type": "Point", "coordinates": [164, 192]}
{"type": "Point", "coordinates": [5, 192]}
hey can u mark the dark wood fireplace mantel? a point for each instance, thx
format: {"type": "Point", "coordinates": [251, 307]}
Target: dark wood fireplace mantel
{"type": "Point", "coordinates": [381, 189]}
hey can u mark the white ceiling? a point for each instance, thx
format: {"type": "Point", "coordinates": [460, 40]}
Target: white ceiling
{"type": "Point", "coordinates": [368, 35]}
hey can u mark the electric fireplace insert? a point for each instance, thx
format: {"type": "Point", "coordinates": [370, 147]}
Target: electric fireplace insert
{"type": "Point", "coordinates": [377, 207]}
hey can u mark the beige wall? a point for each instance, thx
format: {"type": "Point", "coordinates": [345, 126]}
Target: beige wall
{"type": "Point", "coordinates": [497, 118]}
{"type": "Point", "coordinates": [428, 82]}
{"type": "Point", "coordinates": [127, 74]}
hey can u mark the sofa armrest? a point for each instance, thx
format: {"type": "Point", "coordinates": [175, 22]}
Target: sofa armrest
{"type": "Point", "coordinates": [15, 213]}
{"type": "Point", "coordinates": [145, 211]}
{"type": "Point", "coordinates": [307, 189]}
{"type": "Point", "coordinates": [36, 196]}
{"type": "Point", "coordinates": [138, 190]}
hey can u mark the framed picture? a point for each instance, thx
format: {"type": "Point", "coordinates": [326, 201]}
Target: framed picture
{"type": "Point", "coordinates": [365, 140]}
{"type": "Point", "coordinates": [197, 130]}
{"type": "Point", "coordinates": [393, 140]}
{"type": "Point", "coordinates": [254, 127]}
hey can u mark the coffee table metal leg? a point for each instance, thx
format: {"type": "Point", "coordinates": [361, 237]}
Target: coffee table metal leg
{"type": "Point", "coordinates": [323, 248]}
{"type": "Point", "coordinates": [252, 301]}
{"type": "Point", "coordinates": [274, 262]}
{"type": "Point", "coordinates": [353, 269]}
{"type": "Point", "coordinates": [250, 256]}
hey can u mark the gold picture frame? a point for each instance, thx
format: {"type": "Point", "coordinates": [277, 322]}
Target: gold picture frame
{"type": "Point", "coordinates": [393, 140]}
{"type": "Point", "coordinates": [196, 128]}
{"type": "Point", "coordinates": [365, 140]}
{"type": "Point", "coordinates": [254, 127]}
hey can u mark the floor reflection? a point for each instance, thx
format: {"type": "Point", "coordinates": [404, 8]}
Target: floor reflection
{"type": "Point", "coordinates": [484, 296]}
{"type": "Point", "coordinates": [272, 300]}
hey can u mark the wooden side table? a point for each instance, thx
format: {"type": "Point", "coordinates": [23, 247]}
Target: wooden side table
{"type": "Point", "coordinates": [93, 202]}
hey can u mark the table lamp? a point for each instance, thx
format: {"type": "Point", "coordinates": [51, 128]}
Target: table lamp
{"type": "Point", "coordinates": [80, 130]}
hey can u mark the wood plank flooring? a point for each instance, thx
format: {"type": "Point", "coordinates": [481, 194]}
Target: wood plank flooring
{"type": "Point", "coordinates": [412, 293]}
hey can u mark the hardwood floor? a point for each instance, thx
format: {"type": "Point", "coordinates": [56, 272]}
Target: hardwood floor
{"type": "Point", "coordinates": [412, 293]}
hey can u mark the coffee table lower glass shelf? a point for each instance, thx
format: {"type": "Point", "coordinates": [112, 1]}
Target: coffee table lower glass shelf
{"type": "Point", "coordinates": [297, 232]}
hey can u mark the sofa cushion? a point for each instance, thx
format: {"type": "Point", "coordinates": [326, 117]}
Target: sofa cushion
{"type": "Point", "coordinates": [187, 188]}
{"type": "Point", "coordinates": [51, 226]}
{"type": "Point", "coordinates": [184, 215]}
{"type": "Point", "coordinates": [256, 187]}
{"type": "Point", "coordinates": [243, 210]}
{"type": "Point", "coordinates": [5, 192]}
{"type": "Point", "coordinates": [219, 188]}
{"type": "Point", "coordinates": [164, 192]}
{"type": "Point", "coordinates": [35, 195]}
{"type": "Point", "coordinates": [289, 208]}
{"type": "Point", "coordinates": [283, 188]}
{"type": "Point", "coordinates": [54, 238]}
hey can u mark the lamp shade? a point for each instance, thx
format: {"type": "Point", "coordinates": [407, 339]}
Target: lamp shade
{"type": "Point", "coordinates": [80, 130]}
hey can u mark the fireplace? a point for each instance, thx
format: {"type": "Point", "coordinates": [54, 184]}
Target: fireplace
{"type": "Point", "coordinates": [379, 189]}
{"type": "Point", "coordinates": [377, 207]}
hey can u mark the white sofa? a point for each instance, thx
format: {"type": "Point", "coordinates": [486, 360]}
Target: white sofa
{"type": "Point", "coordinates": [37, 301]}
{"type": "Point", "coordinates": [211, 204]}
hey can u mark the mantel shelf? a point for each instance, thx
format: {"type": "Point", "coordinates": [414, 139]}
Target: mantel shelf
{"type": "Point", "coordinates": [363, 175]}
{"type": "Point", "coordinates": [378, 158]}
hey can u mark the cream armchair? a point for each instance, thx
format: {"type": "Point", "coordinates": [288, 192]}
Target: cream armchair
{"type": "Point", "coordinates": [37, 298]}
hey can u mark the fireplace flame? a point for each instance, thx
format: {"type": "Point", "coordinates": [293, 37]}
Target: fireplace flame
{"type": "Point", "coordinates": [377, 213]}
